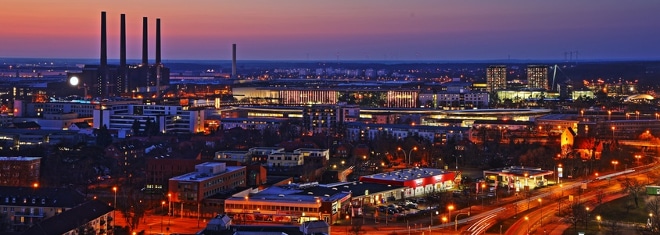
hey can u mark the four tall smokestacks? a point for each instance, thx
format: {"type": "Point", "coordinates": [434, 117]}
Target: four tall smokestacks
{"type": "Point", "coordinates": [145, 42]}
{"type": "Point", "coordinates": [233, 60]}
{"type": "Point", "coordinates": [103, 81]}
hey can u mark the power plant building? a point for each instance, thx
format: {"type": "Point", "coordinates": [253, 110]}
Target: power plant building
{"type": "Point", "coordinates": [105, 80]}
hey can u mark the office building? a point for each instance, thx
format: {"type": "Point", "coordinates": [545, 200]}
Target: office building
{"type": "Point", "coordinates": [496, 78]}
{"type": "Point", "coordinates": [537, 77]}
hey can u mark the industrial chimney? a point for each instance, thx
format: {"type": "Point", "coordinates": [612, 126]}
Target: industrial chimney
{"type": "Point", "coordinates": [104, 42]}
{"type": "Point", "coordinates": [233, 60]}
{"type": "Point", "coordinates": [145, 42]}
{"type": "Point", "coordinates": [122, 55]}
{"type": "Point", "coordinates": [102, 81]}
{"type": "Point", "coordinates": [158, 61]}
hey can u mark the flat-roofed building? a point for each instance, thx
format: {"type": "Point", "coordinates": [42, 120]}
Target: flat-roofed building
{"type": "Point", "coordinates": [537, 77]}
{"type": "Point", "coordinates": [208, 179]}
{"type": "Point", "coordinates": [292, 203]}
{"type": "Point", "coordinates": [19, 171]}
{"type": "Point", "coordinates": [417, 181]}
{"type": "Point", "coordinates": [520, 178]}
{"type": "Point", "coordinates": [496, 77]}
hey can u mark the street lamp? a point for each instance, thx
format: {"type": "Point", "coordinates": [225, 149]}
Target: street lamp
{"type": "Point", "coordinates": [409, 155]}
{"type": "Point", "coordinates": [586, 220]}
{"type": "Point", "coordinates": [162, 209]}
{"type": "Point", "coordinates": [615, 162]}
{"type": "Point", "coordinates": [450, 207]}
{"type": "Point", "coordinates": [527, 220]}
{"type": "Point", "coordinates": [613, 128]}
{"type": "Point", "coordinates": [637, 156]}
{"type": "Point", "coordinates": [483, 191]}
{"type": "Point", "coordinates": [598, 219]}
{"type": "Point", "coordinates": [169, 204]}
{"type": "Point", "coordinates": [114, 218]}
{"type": "Point", "coordinates": [456, 220]}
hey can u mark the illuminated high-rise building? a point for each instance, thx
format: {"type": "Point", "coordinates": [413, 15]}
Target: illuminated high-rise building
{"type": "Point", "coordinates": [496, 78]}
{"type": "Point", "coordinates": [537, 77]}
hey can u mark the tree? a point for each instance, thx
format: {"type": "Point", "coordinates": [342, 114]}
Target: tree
{"type": "Point", "coordinates": [633, 188]}
{"type": "Point", "coordinates": [653, 206]}
{"type": "Point", "coordinates": [132, 207]}
{"type": "Point", "coordinates": [103, 136]}
{"type": "Point", "coordinates": [575, 214]}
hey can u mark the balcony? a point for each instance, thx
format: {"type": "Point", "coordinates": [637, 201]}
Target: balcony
{"type": "Point", "coordinates": [28, 214]}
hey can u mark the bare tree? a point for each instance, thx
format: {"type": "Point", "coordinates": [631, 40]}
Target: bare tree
{"type": "Point", "coordinates": [575, 214]}
{"type": "Point", "coordinates": [653, 206]}
{"type": "Point", "coordinates": [132, 207]}
{"type": "Point", "coordinates": [633, 188]}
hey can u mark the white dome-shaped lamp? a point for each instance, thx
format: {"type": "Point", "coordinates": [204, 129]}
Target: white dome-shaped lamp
{"type": "Point", "coordinates": [74, 81]}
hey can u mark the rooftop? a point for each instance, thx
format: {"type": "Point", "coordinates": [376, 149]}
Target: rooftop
{"type": "Point", "coordinates": [406, 174]}
{"type": "Point", "coordinates": [19, 158]}
{"type": "Point", "coordinates": [199, 177]}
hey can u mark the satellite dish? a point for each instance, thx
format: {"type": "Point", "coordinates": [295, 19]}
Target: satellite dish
{"type": "Point", "coordinates": [74, 81]}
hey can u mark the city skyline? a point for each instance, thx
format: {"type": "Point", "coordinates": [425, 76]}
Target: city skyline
{"type": "Point", "coordinates": [363, 30]}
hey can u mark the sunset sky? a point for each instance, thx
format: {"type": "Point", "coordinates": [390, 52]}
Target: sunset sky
{"type": "Point", "coordinates": [338, 29]}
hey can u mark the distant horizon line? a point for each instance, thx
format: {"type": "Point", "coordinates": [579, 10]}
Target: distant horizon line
{"type": "Point", "coordinates": [358, 60]}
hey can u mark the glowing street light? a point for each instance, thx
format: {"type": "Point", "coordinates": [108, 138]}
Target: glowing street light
{"type": "Point", "coordinates": [450, 207]}
{"type": "Point", "coordinates": [615, 162]}
{"type": "Point", "coordinates": [586, 220]}
{"type": "Point", "coordinates": [527, 220]}
{"type": "Point", "coordinates": [409, 155]}
{"type": "Point", "coordinates": [114, 218]}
